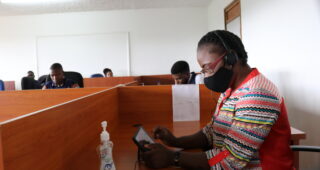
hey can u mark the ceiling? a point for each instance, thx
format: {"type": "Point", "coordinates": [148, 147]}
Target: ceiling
{"type": "Point", "coordinates": [92, 5]}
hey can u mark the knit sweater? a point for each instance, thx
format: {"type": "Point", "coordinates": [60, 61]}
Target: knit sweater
{"type": "Point", "coordinates": [250, 128]}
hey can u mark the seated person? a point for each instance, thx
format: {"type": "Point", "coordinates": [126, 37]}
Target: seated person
{"type": "Point", "coordinates": [250, 127]}
{"type": "Point", "coordinates": [29, 82]}
{"type": "Point", "coordinates": [108, 72]}
{"type": "Point", "coordinates": [181, 74]}
{"type": "Point", "coordinates": [31, 74]}
{"type": "Point", "coordinates": [58, 81]}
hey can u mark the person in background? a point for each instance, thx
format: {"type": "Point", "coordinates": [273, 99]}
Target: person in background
{"type": "Point", "coordinates": [181, 74]}
{"type": "Point", "coordinates": [107, 72]}
{"type": "Point", "coordinates": [58, 81]}
{"type": "Point", "coordinates": [31, 74]}
{"type": "Point", "coordinates": [35, 83]}
{"type": "Point", "coordinates": [249, 128]}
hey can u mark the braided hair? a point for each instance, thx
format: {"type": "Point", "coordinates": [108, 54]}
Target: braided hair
{"type": "Point", "coordinates": [230, 39]}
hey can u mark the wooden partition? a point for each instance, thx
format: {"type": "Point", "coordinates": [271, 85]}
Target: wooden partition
{"type": "Point", "coordinates": [108, 81]}
{"type": "Point", "coordinates": [17, 103]}
{"type": "Point", "coordinates": [208, 102]}
{"type": "Point", "coordinates": [62, 137]}
{"type": "Point", "coordinates": [157, 80]}
{"type": "Point", "coordinates": [134, 83]}
{"type": "Point", "coordinates": [153, 104]}
{"type": "Point", "coordinates": [165, 79]}
{"type": "Point", "coordinates": [66, 136]}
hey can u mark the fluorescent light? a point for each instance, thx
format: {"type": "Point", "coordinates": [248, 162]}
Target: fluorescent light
{"type": "Point", "coordinates": [32, 1]}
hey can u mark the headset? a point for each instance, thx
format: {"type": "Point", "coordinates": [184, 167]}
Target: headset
{"type": "Point", "coordinates": [231, 56]}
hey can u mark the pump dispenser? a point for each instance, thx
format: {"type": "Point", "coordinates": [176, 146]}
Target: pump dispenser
{"type": "Point", "coordinates": [104, 136]}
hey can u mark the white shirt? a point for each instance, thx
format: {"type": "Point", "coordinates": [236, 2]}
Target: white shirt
{"type": "Point", "coordinates": [199, 79]}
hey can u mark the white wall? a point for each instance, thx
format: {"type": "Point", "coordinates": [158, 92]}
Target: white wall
{"type": "Point", "coordinates": [158, 37]}
{"type": "Point", "coordinates": [89, 53]}
{"type": "Point", "coordinates": [282, 39]}
{"type": "Point", "coordinates": [216, 14]}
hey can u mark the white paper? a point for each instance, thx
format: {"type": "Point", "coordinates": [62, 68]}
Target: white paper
{"type": "Point", "coordinates": [185, 101]}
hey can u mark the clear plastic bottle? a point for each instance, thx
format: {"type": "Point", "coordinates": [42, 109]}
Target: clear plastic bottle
{"type": "Point", "coordinates": [105, 149]}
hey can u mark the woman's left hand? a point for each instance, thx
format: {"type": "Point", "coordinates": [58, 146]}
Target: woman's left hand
{"type": "Point", "coordinates": [158, 156]}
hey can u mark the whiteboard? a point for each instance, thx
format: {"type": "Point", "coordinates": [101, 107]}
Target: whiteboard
{"type": "Point", "coordinates": [86, 54]}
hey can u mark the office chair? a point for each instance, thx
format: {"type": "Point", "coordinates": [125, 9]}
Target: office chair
{"type": "Point", "coordinates": [42, 80]}
{"type": "Point", "coordinates": [1, 85]}
{"type": "Point", "coordinates": [29, 83]}
{"type": "Point", "coordinates": [96, 75]}
{"type": "Point", "coordinates": [75, 76]}
{"type": "Point", "coordinates": [302, 148]}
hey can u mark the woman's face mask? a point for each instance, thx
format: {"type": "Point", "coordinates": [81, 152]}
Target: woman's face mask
{"type": "Point", "coordinates": [220, 81]}
{"type": "Point", "coordinates": [219, 77]}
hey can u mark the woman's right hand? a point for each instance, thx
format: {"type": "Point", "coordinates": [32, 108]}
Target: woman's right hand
{"type": "Point", "coordinates": [165, 136]}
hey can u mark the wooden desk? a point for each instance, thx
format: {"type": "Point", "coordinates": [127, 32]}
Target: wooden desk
{"type": "Point", "coordinates": [125, 151]}
{"type": "Point", "coordinates": [296, 136]}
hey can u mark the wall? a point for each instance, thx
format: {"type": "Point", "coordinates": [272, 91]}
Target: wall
{"type": "Point", "coordinates": [282, 38]}
{"type": "Point", "coordinates": [158, 37]}
{"type": "Point", "coordinates": [216, 14]}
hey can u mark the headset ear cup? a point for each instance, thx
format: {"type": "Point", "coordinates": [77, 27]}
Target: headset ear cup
{"type": "Point", "coordinates": [231, 58]}
{"type": "Point", "coordinates": [225, 59]}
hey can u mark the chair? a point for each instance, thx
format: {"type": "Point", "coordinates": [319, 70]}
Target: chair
{"type": "Point", "coordinates": [75, 76]}
{"type": "Point", "coordinates": [28, 83]}
{"type": "Point", "coordinates": [1, 85]}
{"type": "Point", "coordinates": [96, 75]}
{"type": "Point", "coordinates": [42, 80]}
{"type": "Point", "coordinates": [302, 148]}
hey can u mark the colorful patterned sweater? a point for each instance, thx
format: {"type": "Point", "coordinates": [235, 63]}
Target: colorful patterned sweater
{"type": "Point", "coordinates": [250, 128]}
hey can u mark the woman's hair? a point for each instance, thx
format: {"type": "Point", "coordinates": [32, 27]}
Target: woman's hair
{"type": "Point", "coordinates": [231, 40]}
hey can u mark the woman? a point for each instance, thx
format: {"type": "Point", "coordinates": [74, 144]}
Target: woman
{"type": "Point", "coordinates": [250, 127]}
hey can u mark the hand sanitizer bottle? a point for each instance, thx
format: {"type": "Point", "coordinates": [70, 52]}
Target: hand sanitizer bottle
{"type": "Point", "coordinates": [106, 149]}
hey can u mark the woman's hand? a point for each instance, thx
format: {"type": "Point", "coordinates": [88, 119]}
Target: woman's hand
{"type": "Point", "coordinates": [158, 156]}
{"type": "Point", "coordinates": [165, 136]}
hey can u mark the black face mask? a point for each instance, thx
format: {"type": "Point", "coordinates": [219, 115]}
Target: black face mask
{"type": "Point", "coordinates": [220, 81]}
